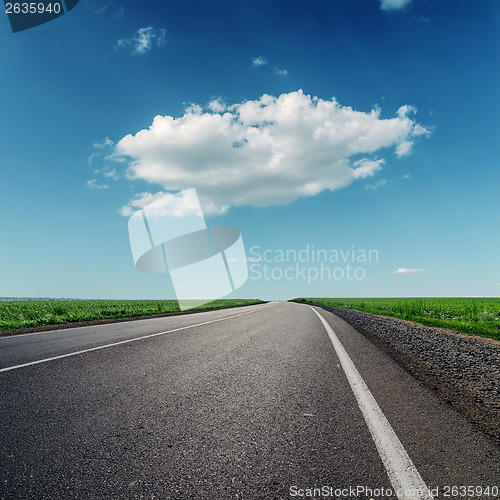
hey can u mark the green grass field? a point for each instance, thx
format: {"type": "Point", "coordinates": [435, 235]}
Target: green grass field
{"type": "Point", "coordinates": [475, 316]}
{"type": "Point", "coordinates": [29, 313]}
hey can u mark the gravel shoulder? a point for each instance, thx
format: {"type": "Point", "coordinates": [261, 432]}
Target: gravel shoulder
{"type": "Point", "coordinates": [462, 370]}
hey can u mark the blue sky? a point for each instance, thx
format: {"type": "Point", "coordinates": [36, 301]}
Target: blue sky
{"type": "Point", "coordinates": [338, 75]}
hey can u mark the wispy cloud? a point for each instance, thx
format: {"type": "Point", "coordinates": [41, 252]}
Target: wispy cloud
{"type": "Point", "coordinates": [118, 13]}
{"type": "Point", "coordinates": [92, 183]}
{"type": "Point", "coordinates": [262, 61]}
{"type": "Point", "coordinates": [263, 152]}
{"type": "Point", "coordinates": [105, 143]}
{"type": "Point", "coordinates": [103, 157]}
{"type": "Point", "coordinates": [380, 183]}
{"type": "Point", "coordinates": [367, 168]}
{"type": "Point", "coordinates": [108, 172]}
{"type": "Point", "coordinates": [102, 9]}
{"type": "Point", "coordinates": [404, 149]}
{"type": "Point", "coordinates": [259, 61]}
{"type": "Point", "coordinates": [102, 150]}
{"type": "Point", "coordinates": [421, 19]}
{"type": "Point", "coordinates": [407, 176]}
{"type": "Point", "coordinates": [391, 5]}
{"type": "Point", "coordinates": [402, 271]}
{"type": "Point", "coordinates": [143, 40]}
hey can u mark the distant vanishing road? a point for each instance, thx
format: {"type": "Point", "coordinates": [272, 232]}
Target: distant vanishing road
{"type": "Point", "coordinates": [267, 401]}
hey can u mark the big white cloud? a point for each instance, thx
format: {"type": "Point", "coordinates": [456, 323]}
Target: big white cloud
{"type": "Point", "coordinates": [268, 151]}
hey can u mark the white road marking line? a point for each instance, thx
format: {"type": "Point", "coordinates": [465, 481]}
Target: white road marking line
{"type": "Point", "coordinates": [405, 478]}
{"type": "Point", "coordinates": [45, 360]}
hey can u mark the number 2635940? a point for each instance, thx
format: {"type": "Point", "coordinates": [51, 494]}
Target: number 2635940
{"type": "Point", "coordinates": [32, 8]}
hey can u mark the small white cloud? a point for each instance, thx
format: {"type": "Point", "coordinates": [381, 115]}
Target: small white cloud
{"type": "Point", "coordinates": [405, 110]}
{"type": "Point", "coordinates": [404, 149]}
{"type": "Point", "coordinates": [105, 143]}
{"type": "Point", "coordinates": [259, 61]}
{"type": "Point", "coordinates": [217, 106]}
{"type": "Point", "coordinates": [143, 40]}
{"type": "Point", "coordinates": [380, 183]}
{"type": "Point", "coordinates": [92, 183]}
{"type": "Point", "coordinates": [367, 168]}
{"type": "Point", "coordinates": [262, 61]}
{"type": "Point", "coordinates": [126, 211]}
{"type": "Point", "coordinates": [108, 172]}
{"type": "Point", "coordinates": [402, 271]}
{"type": "Point", "coordinates": [407, 176]}
{"type": "Point", "coordinates": [391, 5]}
{"type": "Point", "coordinates": [419, 130]}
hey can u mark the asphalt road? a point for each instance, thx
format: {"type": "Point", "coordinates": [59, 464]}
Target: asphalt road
{"type": "Point", "coordinates": [245, 403]}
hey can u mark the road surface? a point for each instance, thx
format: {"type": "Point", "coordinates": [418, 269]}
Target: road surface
{"type": "Point", "coordinates": [267, 401]}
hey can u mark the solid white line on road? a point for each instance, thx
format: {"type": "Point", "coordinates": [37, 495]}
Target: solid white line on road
{"type": "Point", "coordinates": [404, 476]}
{"type": "Point", "coordinates": [138, 318]}
{"type": "Point", "coordinates": [39, 361]}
